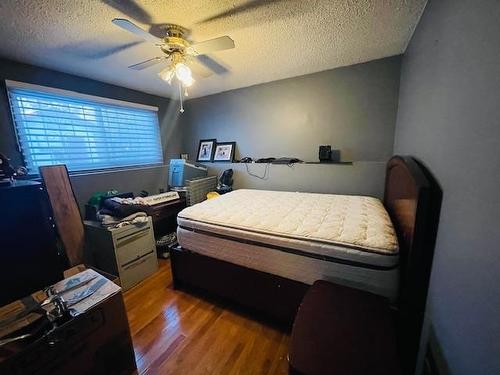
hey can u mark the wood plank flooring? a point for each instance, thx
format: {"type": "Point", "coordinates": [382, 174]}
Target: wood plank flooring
{"type": "Point", "coordinates": [175, 332]}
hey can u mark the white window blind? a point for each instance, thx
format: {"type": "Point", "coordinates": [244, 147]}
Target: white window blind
{"type": "Point", "coordinates": [82, 132]}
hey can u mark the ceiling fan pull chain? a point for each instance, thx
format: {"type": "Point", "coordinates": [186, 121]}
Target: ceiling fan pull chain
{"type": "Point", "coordinates": [180, 98]}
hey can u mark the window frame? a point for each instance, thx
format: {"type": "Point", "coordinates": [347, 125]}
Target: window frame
{"type": "Point", "coordinates": [11, 84]}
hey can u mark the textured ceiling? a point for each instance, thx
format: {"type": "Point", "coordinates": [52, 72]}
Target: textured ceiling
{"type": "Point", "coordinates": [274, 39]}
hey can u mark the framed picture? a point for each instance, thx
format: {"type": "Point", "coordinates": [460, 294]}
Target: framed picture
{"type": "Point", "coordinates": [224, 151]}
{"type": "Point", "coordinates": [206, 149]}
{"type": "Point", "coordinates": [185, 156]}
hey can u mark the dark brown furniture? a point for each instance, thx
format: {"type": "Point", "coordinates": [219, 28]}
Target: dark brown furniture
{"type": "Point", "coordinates": [65, 211]}
{"type": "Point", "coordinates": [277, 297]}
{"type": "Point", "coordinates": [413, 205]}
{"type": "Point", "coordinates": [164, 216]}
{"type": "Point", "coordinates": [95, 342]}
{"type": "Point", "coordinates": [29, 257]}
{"type": "Point", "coordinates": [341, 330]}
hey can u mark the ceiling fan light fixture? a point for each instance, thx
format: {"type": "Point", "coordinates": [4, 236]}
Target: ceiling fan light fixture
{"type": "Point", "coordinates": [180, 71]}
{"type": "Point", "coordinates": [184, 79]}
{"type": "Point", "coordinates": [167, 74]}
{"type": "Point", "coordinates": [188, 82]}
{"type": "Point", "coordinates": [183, 73]}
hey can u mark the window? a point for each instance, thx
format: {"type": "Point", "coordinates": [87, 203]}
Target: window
{"type": "Point", "coordinates": [84, 132]}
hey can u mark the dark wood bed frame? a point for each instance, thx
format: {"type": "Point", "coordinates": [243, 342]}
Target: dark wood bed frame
{"type": "Point", "coordinates": [412, 199]}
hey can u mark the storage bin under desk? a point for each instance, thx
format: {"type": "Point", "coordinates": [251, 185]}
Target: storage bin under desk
{"type": "Point", "coordinates": [128, 252]}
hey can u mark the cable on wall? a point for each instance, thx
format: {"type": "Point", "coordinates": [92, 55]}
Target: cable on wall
{"type": "Point", "coordinates": [265, 176]}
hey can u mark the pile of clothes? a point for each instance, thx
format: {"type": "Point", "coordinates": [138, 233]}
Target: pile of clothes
{"type": "Point", "coordinates": [118, 212]}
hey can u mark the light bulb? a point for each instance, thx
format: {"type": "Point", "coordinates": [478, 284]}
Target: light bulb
{"type": "Point", "coordinates": [183, 72]}
{"type": "Point", "coordinates": [188, 82]}
{"type": "Point", "coordinates": [167, 74]}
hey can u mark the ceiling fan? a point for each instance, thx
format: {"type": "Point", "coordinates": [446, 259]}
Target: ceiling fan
{"type": "Point", "coordinates": [176, 47]}
{"type": "Point", "coordinates": [181, 55]}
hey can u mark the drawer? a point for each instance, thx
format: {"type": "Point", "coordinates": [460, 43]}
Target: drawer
{"type": "Point", "coordinates": [128, 229]}
{"type": "Point", "coordinates": [134, 245]}
{"type": "Point", "coordinates": [138, 270]}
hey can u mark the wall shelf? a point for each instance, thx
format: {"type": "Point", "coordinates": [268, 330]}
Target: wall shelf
{"type": "Point", "coordinates": [330, 162]}
{"type": "Point", "coordinates": [305, 162]}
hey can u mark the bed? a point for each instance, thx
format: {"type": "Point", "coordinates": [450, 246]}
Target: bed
{"type": "Point", "coordinates": [299, 236]}
{"type": "Point", "coordinates": [263, 249]}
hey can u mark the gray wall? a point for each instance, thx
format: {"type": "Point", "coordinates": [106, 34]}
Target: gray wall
{"type": "Point", "coordinates": [352, 108]}
{"type": "Point", "coordinates": [150, 179]}
{"type": "Point", "coordinates": [449, 118]}
{"type": "Point", "coordinates": [362, 178]}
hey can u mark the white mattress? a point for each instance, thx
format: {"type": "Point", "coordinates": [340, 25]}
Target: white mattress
{"type": "Point", "coordinates": [301, 236]}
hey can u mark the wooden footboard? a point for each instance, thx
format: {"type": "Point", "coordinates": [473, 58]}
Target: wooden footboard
{"type": "Point", "coordinates": [276, 297]}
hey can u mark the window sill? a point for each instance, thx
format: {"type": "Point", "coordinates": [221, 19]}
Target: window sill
{"type": "Point", "coordinates": [103, 171]}
{"type": "Point", "coordinates": [115, 170]}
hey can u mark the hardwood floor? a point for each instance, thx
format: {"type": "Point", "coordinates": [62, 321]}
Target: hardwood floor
{"type": "Point", "coordinates": [177, 333]}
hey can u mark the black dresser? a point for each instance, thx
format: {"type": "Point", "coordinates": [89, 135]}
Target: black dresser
{"type": "Point", "coordinates": [29, 259]}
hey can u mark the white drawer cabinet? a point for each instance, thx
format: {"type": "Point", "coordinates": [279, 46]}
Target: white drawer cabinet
{"type": "Point", "coordinates": [128, 252]}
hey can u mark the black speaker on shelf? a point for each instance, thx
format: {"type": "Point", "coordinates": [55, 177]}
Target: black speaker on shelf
{"type": "Point", "coordinates": [325, 153]}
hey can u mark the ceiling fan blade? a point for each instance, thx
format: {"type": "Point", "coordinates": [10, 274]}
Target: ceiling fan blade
{"type": "Point", "coordinates": [111, 51]}
{"type": "Point", "coordinates": [90, 49]}
{"type": "Point", "coordinates": [246, 7]}
{"type": "Point", "coordinates": [249, 13]}
{"type": "Point", "coordinates": [199, 69]}
{"type": "Point", "coordinates": [147, 63]}
{"type": "Point", "coordinates": [212, 45]}
{"type": "Point", "coordinates": [131, 9]}
{"type": "Point", "coordinates": [208, 63]}
{"type": "Point", "coordinates": [130, 27]}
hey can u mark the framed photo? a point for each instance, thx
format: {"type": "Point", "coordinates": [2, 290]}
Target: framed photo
{"type": "Point", "coordinates": [224, 151]}
{"type": "Point", "coordinates": [206, 150]}
{"type": "Point", "coordinates": [185, 156]}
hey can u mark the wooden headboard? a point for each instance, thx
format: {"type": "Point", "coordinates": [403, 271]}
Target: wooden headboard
{"type": "Point", "coordinates": [405, 198]}
{"type": "Point", "coordinates": [413, 199]}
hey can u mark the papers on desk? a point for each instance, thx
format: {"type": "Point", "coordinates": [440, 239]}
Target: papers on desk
{"type": "Point", "coordinates": [150, 200]}
{"type": "Point", "coordinates": [81, 292]}
{"type": "Point", "coordinates": [161, 198]}
{"type": "Point", "coordinates": [84, 290]}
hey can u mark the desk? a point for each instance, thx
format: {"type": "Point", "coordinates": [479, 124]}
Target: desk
{"type": "Point", "coordinates": [97, 341]}
{"type": "Point", "coordinates": [164, 216]}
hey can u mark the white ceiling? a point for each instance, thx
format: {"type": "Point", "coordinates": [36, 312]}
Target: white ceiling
{"type": "Point", "coordinates": [274, 39]}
